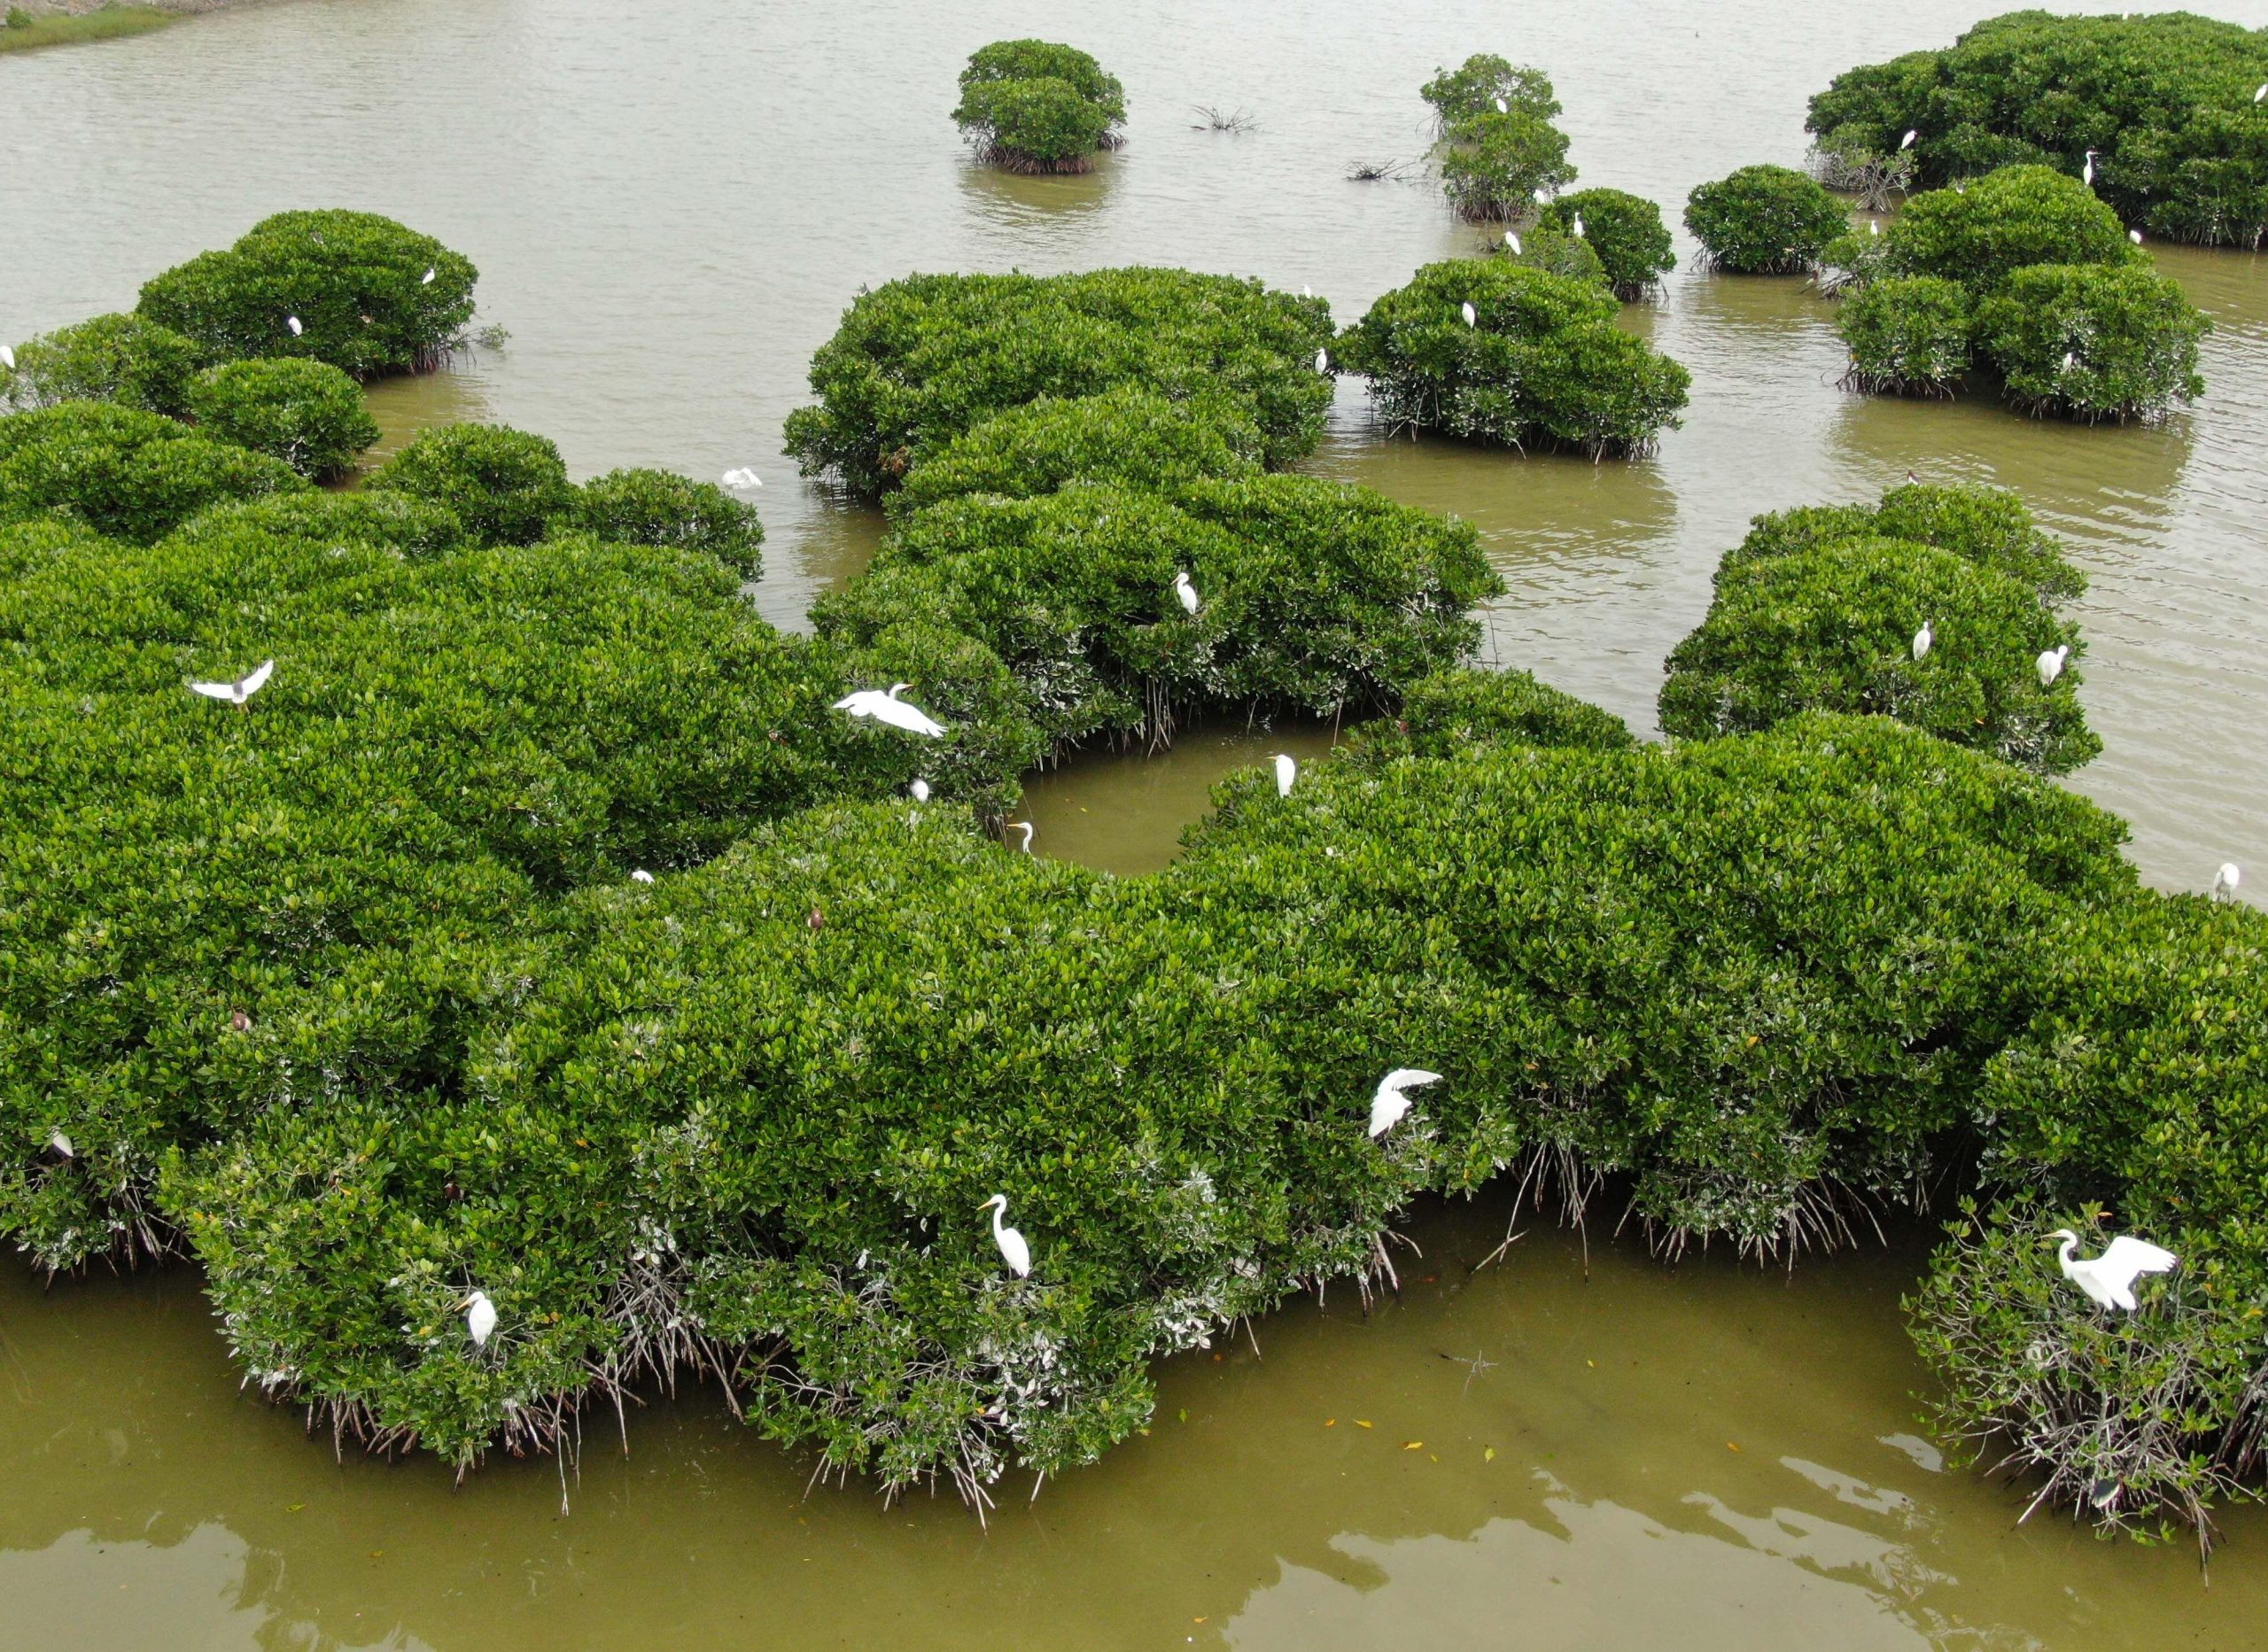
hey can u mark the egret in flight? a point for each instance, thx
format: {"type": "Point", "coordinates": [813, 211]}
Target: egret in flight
{"type": "Point", "coordinates": [1471, 315]}
{"type": "Point", "coordinates": [1907, 141]}
{"type": "Point", "coordinates": [2051, 665]}
{"type": "Point", "coordinates": [1922, 639]}
{"type": "Point", "coordinates": [1187, 592]}
{"type": "Point", "coordinates": [1025, 828]}
{"type": "Point", "coordinates": [742, 476]}
{"type": "Point", "coordinates": [239, 691]}
{"type": "Point", "coordinates": [920, 790]}
{"type": "Point", "coordinates": [1013, 1251]}
{"type": "Point", "coordinates": [479, 1317]}
{"type": "Point", "coordinates": [292, 322]}
{"type": "Point", "coordinates": [2109, 1280]}
{"type": "Point", "coordinates": [2225, 881]}
{"type": "Point", "coordinates": [1513, 242]}
{"type": "Point", "coordinates": [886, 707]}
{"type": "Point", "coordinates": [1388, 1106]}
{"type": "Point", "coordinates": [1286, 771]}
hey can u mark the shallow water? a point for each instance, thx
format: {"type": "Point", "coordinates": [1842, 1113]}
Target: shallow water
{"type": "Point", "coordinates": [671, 207]}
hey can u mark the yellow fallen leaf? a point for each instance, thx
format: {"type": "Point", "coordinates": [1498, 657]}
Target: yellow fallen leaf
{"type": "Point", "coordinates": [1412, 1445]}
{"type": "Point", "coordinates": [1330, 1422]}
{"type": "Point", "coordinates": [1488, 1454]}
{"type": "Point", "coordinates": [1359, 1422]}
{"type": "Point", "coordinates": [1592, 1363]}
{"type": "Point", "coordinates": [1730, 1446]}
{"type": "Point", "coordinates": [293, 1508]}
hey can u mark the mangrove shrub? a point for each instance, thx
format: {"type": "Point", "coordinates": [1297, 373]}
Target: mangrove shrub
{"type": "Point", "coordinates": [504, 486]}
{"type": "Point", "coordinates": [1625, 232]}
{"type": "Point", "coordinates": [1034, 106]}
{"type": "Point", "coordinates": [124, 472]}
{"type": "Point", "coordinates": [1487, 84]}
{"type": "Point", "coordinates": [308, 414]}
{"type": "Point", "coordinates": [638, 507]}
{"type": "Point", "coordinates": [1984, 232]}
{"type": "Point", "coordinates": [2092, 341]}
{"type": "Point", "coordinates": [1907, 335]}
{"type": "Point", "coordinates": [1764, 220]}
{"type": "Point", "coordinates": [118, 358]}
{"type": "Point", "coordinates": [1493, 166]}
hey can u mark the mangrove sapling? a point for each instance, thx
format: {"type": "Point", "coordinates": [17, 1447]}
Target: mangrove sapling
{"type": "Point", "coordinates": [1028, 105]}
{"type": "Point", "coordinates": [1388, 170]}
{"type": "Point", "coordinates": [1235, 121]}
{"type": "Point", "coordinates": [118, 358]}
{"type": "Point", "coordinates": [1764, 220]}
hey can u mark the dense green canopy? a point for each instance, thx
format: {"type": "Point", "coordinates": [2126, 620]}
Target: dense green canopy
{"type": "Point", "coordinates": [1034, 106]}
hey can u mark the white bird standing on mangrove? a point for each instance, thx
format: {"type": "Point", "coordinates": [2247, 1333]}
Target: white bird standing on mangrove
{"type": "Point", "coordinates": [920, 789]}
{"type": "Point", "coordinates": [2225, 881]}
{"type": "Point", "coordinates": [2135, 235]}
{"type": "Point", "coordinates": [1013, 1251]}
{"type": "Point", "coordinates": [1390, 1103]}
{"type": "Point", "coordinates": [1322, 361]}
{"type": "Point", "coordinates": [2108, 1279]}
{"type": "Point", "coordinates": [1504, 108]}
{"type": "Point", "coordinates": [2262, 94]}
{"type": "Point", "coordinates": [292, 322]}
{"type": "Point", "coordinates": [742, 476]}
{"type": "Point", "coordinates": [1513, 242]}
{"type": "Point", "coordinates": [641, 876]}
{"type": "Point", "coordinates": [1874, 226]}
{"type": "Point", "coordinates": [239, 691]}
{"type": "Point", "coordinates": [61, 1143]}
{"type": "Point", "coordinates": [1544, 198]}
{"type": "Point", "coordinates": [7, 358]}
{"type": "Point", "coordinates": [1187, 592]}
{"type": "Point", "coordinates": [1471, 315]}
{"type": "Point", "coordinates": [2087, 173]}
{"type": "Point", "coordinates": [1025, 828]}
{"type": "Point", "coordinates": [1578, 226]}
{"type": "Point", "coordinates": [427, 279]}
{"type": "Point", "coordinates": [479, 1317]}
{"type": "Point", "coordinates": [1907, 141]}
{"type": "Point", "coordinates": [1286, 771]}
{"type": "Point", "coordinates": [2051, 665]}
{"type": "Point", "coordinates": [885, 707]}
{"type": "Point", "coordinates": [1922, 639]}
{"type": "Point", "coordinates": [2070, 360]}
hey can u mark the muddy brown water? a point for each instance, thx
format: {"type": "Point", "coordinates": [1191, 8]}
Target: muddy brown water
{"type": "Point", "coordinates": [670, 206]}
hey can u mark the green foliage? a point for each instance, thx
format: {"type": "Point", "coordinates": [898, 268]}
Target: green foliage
{"type": "Point", "coordinates": [2093, 342]}
{"type": "Point", "coordinates": [400, 522]}
{"type": "Point", "coordinates": [505, 485]}
{"type": "Point", "coordinates": [2166, 101]}
{"type": "Point", "coordinates": [1830, 628]}
{"type": "Point", "coordinates": [121, 471]}
{"type": "Point", "coordinates": [111, 358]}
{"type": "Point", "coordinates": [1907, 335]}
{"type": "Point", "coordinates": [1981, 234]}
{"type": "Point", "coordinates": [1547, 247]}
{"type": "Point", "coordinates": [1480, 83]}
{"type": "Point", "coordinates": [1989, 526]}
{"type": "Point", "coordinates": [1450, 711]}
{"type": "Point", "coordinates": [1033, 107]}
{"type": "Point", "coordinates": [355, 281]}
{"type": "Point", "coordinates": [1544, 367]}
{"type": "Point", "coordinates": [1764, 220]}
{"type": "Point", "coordinates": [661, 507]}
{"type": "Point", "coordinates": [308, 414]}
{"type": "Point", "coordinates": [921, 361]}
{"type": "Point", "coordinates": [1625, 231]}
{"type": "Point", "coordinates": [1493, 165]}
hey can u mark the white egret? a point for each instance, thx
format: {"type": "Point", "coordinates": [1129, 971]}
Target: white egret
{"type": "Point", "coordinates": [1322, 361]}
{"type": "Point", "coordinates": [1874, 226]}
{"type": "Point", "coordinates": [2070, 360]}
{"type": "Point", "coordinates": [1388, 1106]}
{"type": "Point", "coordinates": [427, 279]}
{"type": "Point", "coordinates": [2051, 665]}
{"type": "Point", "coordinates": [292, 322]}
{"type": "Point", "coordinates": [239, 691]}
{"type": "Point", "coordinates": [2262, 94]}
{"type": "Point", "coordinates": [1024, 826]}
{"type": "Point", "coordinates": [742, 476]}
{"type": "Point", "coordinates": [1544, 198]}
{"type": "Point", "coordinates": [1286, 771]}
{"type": "Point", "coordinates": [1504, 108]}
{"type": "Point", "coordinates": [1907, 141]}
{"type": "Point", "coordinates": [920, 790]}
{"type": "Point", "coordinates": [885, 707]}
{"type": "Point", "coordinates": [1578, 226]}
{"type": "Point", "coordinates": [7, 358]}
{"type": "Point", "coordinates": [1013, 1251]}
{"type": "Point", "coordinates": [479, 1317]}
{"type": "Point", "coordinates": [1187, 592]}
{"type": "Point", "coordinates": [2087, 173]}
{"type": "Point", "coordinates": [1513, 242]}
{"type": "Point", "coordinates": [61, 1143]}
{"type": "Point", "coordinates": [2225, 881]}
{"type": "Point", "coordinates": [641, 876]}
{"type": "Point", "coordinates": [2135, 235]}
{"type": "Point", "coordinates": [1922, 639]}
{"type": "Point", "coordinates": [2108, 1279]}
{"type": "Point", "coordinates": [1306, 291]}
{"type": "Point", "coordinates": [1471, 315]}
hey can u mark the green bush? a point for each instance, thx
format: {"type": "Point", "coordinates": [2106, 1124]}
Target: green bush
{"type": "Point", "coordinates": [1907, 334]}
{"type": "Point", "coordinates": [2093, 342]}
{"type": "Point", "coordinates": [1764, 220]}
{"type": "Point", "coordinates": [1493, 165]}
{"type": "Point", "coordinates": [1625, 231]}
{"type": "Point", "coordinates": [1547, 247]}
{"type": "Point", "coordinates": [1989, 526]}
{"type": "Point", "coordinates": [505, 485]}
{"type": "Point", "coordinates": [1032, 106]}
{"type": "Point", "coordinates": [395, 522]}
{"type": "Point", "coordinates": [355, 281]}
{"type": "Point", "coordinates": [2166, 101]}
{"type": "Point", "coordinates": [308, 414]}
{"type": "Point", "coordinates": [112, 358]}
{"type": "Point", "coordinates": [1544, 367]}
{"type": "Point", "coordinates": [1981, 234]}
{"type": "Point", "coordinates": [121, 471]}
{"type": "Point", "coordinates": [1830, 628]}
{"type": "Point", "coordinates": [1453, 710]}
{"type": "Point", "coordinates": [661, 507]}
{"type": "Point", "coordinates": [921, 361]}
{"type": "Point", "coordinates": [1482, 81]}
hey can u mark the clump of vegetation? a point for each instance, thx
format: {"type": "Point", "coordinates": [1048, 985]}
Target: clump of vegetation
{"type": "Point", "coordinates": [123, 359]}
{"type": "Point", "coordinates": [505, 486]}
{"type": "Point", "coordinates": [1029, 105]}
{"type": "Point", "coordinates": [370, 295]}
{"type": "Point", "coordinates": [660, 508]}
{"type": "Point", "coordinates": [1988, 526]}
{"type": "Point", "coordinates": [308, 414]}
{"type": "Point", "coordinates": [1486, 84]}
{"type": "Point", "coordinates": [123, 472]}
{"type": "Point", "coordinates": [1844, 164]}
{"type": "Point", "coordinates": [1906, 337]}
{"type": "Point", "coordinates": [2093, 342]}
{"type": "Point", "coordinates": [921, 361]}
{"type": "Point", "coordinates": [1764, 220]}
{"type": "Point", "coordinates": [1625, 231]}
{"type": "Point", "coordinates": [1453, 711]}
{"type": "Point", "coordinates": [1981, 234]}
{"type": "Point", "coordinates": [23, 32]}
{"type": "Point", "coordinates": [1497, 166]}
{"type": "Point", "coordinates": [398, 523]}
{"type": "Point", "coordinates": [1541, 365]}
{"type": "Point", "coordinates": [2166, 102]}
{"type": "Point", "coordinates": [1548, 247]}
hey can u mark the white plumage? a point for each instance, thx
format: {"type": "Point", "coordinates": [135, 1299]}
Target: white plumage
{"type": "Point", "coordinates": [1388, 1106]}
{"type": "Point", "coordinates": [920, 790]}
{"type": "Point", "coordinates": [2109, 1280]}
{"type": "Point", "coordinates": [1578, 226]}
{"type": "Point", "coordinates": [7, 358]}
{"type": "Point", "coordinates": [61, 1143]}
{"type": "Point", "coordinates": [1922, 640]}
{"type": "Point", "coordinates": [1322, 361]}
{"type": "Point", "coordinates": [1013, 1251]}
{"type": "Point", "coordinates": [1286, 771]}
{"type": "Point", "coordinates": [1504, 108]}
{"type": "Point", "coordinates": [1907, 141]}
{"type": "Point", "coordinates": [2225, 881]}
{"type": "Point", "coordinates": [641, 876]}
{"type": "Point", "coordinates": [1874, 226]}
{"type": "Point", "coordinates": [1513, 242]}
{"type": "Point", "coordinates": [881, 706]}
{"type": "Point", "coordinates": [1024, 826]}
{"type": "Point", "coordinates": [479, 1317]}
{"type": "Point", "coordinates": [2262, 93]}
{"type": "Point", "coordinates": [2051, 665]}
{"type": "Point", "coordinates": [742, 476]}
{"type": "Point", "coordinates": [292, 322]}
{"type": "Point", "coordinates": [239, 691]}
{"type": "Point", "coordinates": [1186, 592]}
{"type": "Point", "coordinates": [2087, 173]}
{"type": "Point", "coordinates": [1471, 315]}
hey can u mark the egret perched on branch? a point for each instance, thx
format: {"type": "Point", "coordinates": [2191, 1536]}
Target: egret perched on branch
{"type": "Point", "coordinates": [2070, 361]}
{"type": "Point", "coordinates": [886, 707]}
{"type": "Point", "coordinates": [742, 476]}
{"type": "Point", "coordinates": [1874, 226]}
{"type": "Point", "coordinates": [1504, 108]}
{"type": "Point", "coordinates": [479, 1317]}
{"type": "Point", "coordinates": [2051, 665]}
{"type": "Point", "coordinates": [1322, 361]}
{"type": "Point", "coordinates": [2109, 1280]}
{"type": "Point", "coordinates": [2087, 173]}
{"type": "Point", "coordinates": [239, 691]}
{"type": "Point", "coordinates": [2224, 882]}
{"type": "Point", "coordinates": [1187, 592]}
{"type": "Point", "coordinates": [2135, 235]}
{"type": "Point", "coordinates": [2262, 94]}
{"type": "Point", "coordinates": [1388, 1106]}
{"type": "Point", "coordinates": [1922, 639]}
{"type": "Point", "coordinates": [1286, 771]}
{"type": "Point", "coordinates": [1544, 198]}
{"type": "Point", "coordinates": [1471, 315]}
{"type": "Point", "coordinates": [1578, 226]}
{"type": "Point", "coordinates": [920, 790]}
{"type": "Point", "coordinates": [1907, 141]}
{"type": "Point", "coordinates": [1025, 828]}
{"type": "Point", "coordinates": [427, 279]}
{"type": "Point", "coordinates": [1513, 242]}
{"type": "Point", "coordinates": [7, 358]}
{"type": "Point", "coordinates": [61, 1143]}
{"type": "Point", "coordinates": [292, 322]}
{"type": "Point", "coordinates": [1013, 1251]}
{"type": "Point", "coordinates": [641, 876]}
